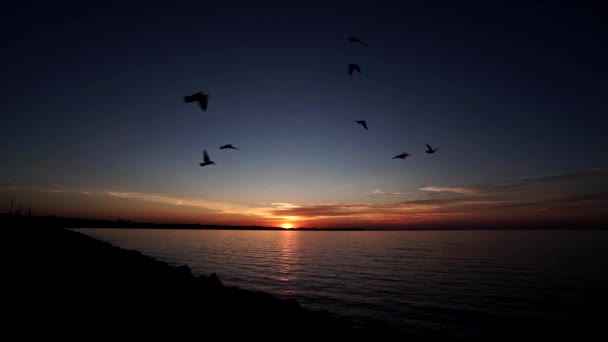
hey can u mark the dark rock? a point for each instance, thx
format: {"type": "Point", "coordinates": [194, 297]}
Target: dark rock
{"type": "Point", "coordinates": [214, 280]}
{"type": "Point", "coordinates": [292, 305]}
{"type": "Point", "coordinates": [182, 271]}
{"type": "Point", "coordinates": [134, 253]}
{"type": "Point", "coordinates": [382, 329]}
{"type": "Point", "coordinates": [95, 280]}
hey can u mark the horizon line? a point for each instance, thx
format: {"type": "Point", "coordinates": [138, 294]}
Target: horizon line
{"type": "Point", "coordinates": [127, 223]}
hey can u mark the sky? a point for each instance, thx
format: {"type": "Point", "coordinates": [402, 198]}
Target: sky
{"type": "Point", "coordinates": [512, 92]}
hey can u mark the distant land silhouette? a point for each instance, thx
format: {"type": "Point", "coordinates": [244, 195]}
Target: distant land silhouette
{"type": "Point", "coordinates": [67, 222]}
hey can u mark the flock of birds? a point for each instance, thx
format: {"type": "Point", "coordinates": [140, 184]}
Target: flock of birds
{"type": "Point", "coordinates": [203, 99]}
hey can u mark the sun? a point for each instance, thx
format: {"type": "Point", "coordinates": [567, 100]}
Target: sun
{"type": "Point", "coordinates": [287, 225]}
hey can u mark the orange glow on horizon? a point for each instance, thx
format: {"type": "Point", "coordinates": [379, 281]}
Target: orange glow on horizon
{"type": "Point", "coordinates": [287, 225]}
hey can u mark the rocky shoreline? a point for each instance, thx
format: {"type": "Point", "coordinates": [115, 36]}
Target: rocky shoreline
{"type": "Point", "coordinates": [93, 281]}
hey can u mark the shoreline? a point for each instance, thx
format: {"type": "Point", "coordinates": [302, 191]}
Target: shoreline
{"type": "Point", "coordinates": [57, 267]}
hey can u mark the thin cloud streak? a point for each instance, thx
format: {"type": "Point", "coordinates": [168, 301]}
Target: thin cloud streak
{"type": "Point", "coordinates": [215, 206]}
{"type": "Point", "coordinates": [381, 192]}
{"type": "Point", "coordinates": [576, 194]}
{"type": "Point", "coordinates": [456, 190]}
{"type": "Point", "coordinates": [583, 192]}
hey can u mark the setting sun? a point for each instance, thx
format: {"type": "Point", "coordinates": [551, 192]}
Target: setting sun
{"type": "Point", "coordinates": [287, 225]}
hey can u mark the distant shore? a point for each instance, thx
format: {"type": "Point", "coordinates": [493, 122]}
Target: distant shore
{"type": "Point", "coordinates": [93, 281]}
{"type": "Point", "coordinates": [67, 222]}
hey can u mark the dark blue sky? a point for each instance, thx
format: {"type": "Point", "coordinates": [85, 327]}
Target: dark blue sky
{"type": "Point", "coordinates": [93, 105]}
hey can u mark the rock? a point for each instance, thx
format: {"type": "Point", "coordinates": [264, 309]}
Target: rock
{"type": "Point", "coordinates": [182, 271]}
{"type": "Point", "coordinates": [382, 329]}
{"type": "Point", "coordinates": [292, 305]}
{"type": "Point", "coordinates": [214, 280]}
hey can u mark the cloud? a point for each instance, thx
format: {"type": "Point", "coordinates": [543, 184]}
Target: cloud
{"type": "Point", "coordinates": [216, 206]}
{"type": "Point", "coordinates": [47, 190]}
{"type": "Point", "coordinates": [325, 210]}
{"type": "Point", "coordinates": [581, 192]}
{"type": "Point", "coordinates": [283, 205]}
{"type": "Point", "coordinates": [457, 190]}
{"type": "Point", "coordinates": [220, 207]}
{"type": "Point", "coordinates": [576, 194]}
{"type": "Point", "coordinates": [558, 181]}
{"type": "Point", "coordinates": [381, 192]}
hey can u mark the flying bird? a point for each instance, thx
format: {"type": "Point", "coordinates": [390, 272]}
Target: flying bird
{"type": "Point", "coordinates": [362, 123]}
{"type": "Point", "coordinates": [429, 149]}
{"type": "Point", "coordinates": [230, 146]}
{"type": "Point", "coordinates": [199, 97]}
{"type": "Point", "coordinates": [356, 40]}
{"type": "Point", "coordinates": [206, 160]}
{"type": "Point", "coordinates": [352, 68]}
{"type": "Point", "coordinates": [402, 156]}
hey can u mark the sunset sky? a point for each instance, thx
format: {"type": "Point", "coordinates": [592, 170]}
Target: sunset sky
{"type": "Point", "coordinates": [514, 95]}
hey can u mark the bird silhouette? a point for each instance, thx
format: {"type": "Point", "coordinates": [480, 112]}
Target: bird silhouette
{"type": "Point", "coordinates": [429, 149]}
{"type": "Point", "coordinates": [356, 40]}
{"type": "Point", "coordinates": [206, 160]}
{"type": "Point", "coordinates": [199, 97]}
{"type": "Point", "coordinates": [230, 146]}
{"type": "Point", "coordinates": [362, 123]}
{"type": "Point", "coordinates": [352, 68]}
{"type": "Point", "coordinates": [402, 156]}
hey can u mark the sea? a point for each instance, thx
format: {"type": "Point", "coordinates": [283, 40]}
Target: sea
{"type": "Point", "coordinates": [488, 284]}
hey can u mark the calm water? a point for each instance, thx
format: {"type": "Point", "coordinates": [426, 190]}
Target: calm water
{"type": "Point", "coordinates": [463, 283]}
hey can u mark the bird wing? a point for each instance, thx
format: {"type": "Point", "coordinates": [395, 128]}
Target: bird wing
{"type": "Point", "coordinates": [192, 98]}
{"type": "Point", "coordinates": [356, 40]}
{"type": "Point", "coordinates": [356, 67]}
{"type": "Point", "coordinates": [203, 103]}
{"type": "Point", "coordinates": [351, 68]}
{"type": "Point", "coordinates": [206, 157]}
{"type": "Point", "coordinates": [428, 147]}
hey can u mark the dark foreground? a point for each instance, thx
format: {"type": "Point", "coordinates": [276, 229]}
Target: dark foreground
{"type": "Point", "coordinates": [58, 282]}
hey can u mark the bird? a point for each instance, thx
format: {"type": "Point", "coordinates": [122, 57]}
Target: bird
{"type": "Point", "coordinates": [230, 146]}
{"type": "Point", "coordinates": [206, 160]}
{"type": "Point", "coordinates": [356, 40]}
{"type": "Point", "coordinates": [199, 97]}
{"type": "Point", "coordinates": [352, 68]}
{"type": "Point", "coordinates": [402, 156]}
{"type": "Point", "coordinates": [362, 123]}
{"type": "Point", "coordinates": [431, 150]}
